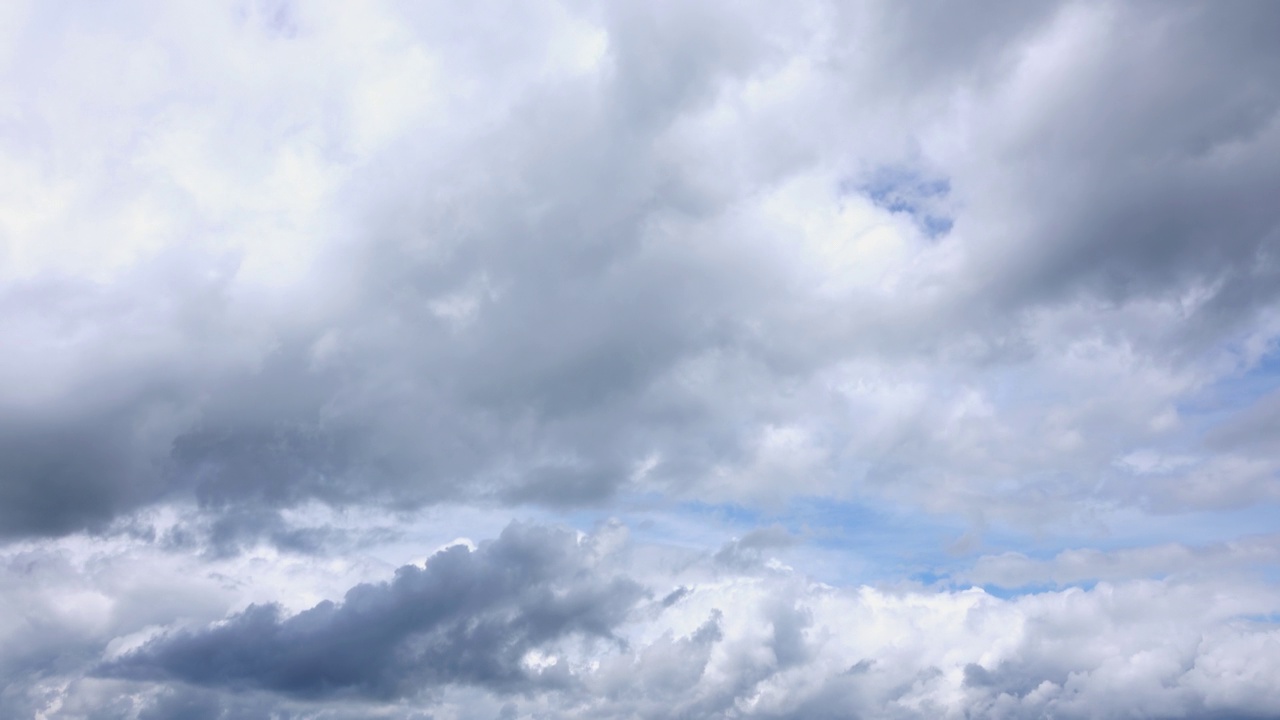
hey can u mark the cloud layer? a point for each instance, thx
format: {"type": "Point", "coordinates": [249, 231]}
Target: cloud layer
{"type": "Point", "coordinates": [541, 622]}
{"type": "Point", "coordinates": [842, 308]}
{"type": "Point", "coordinates": [466, 617]}
{"type": "Point", "coordinates": [870, 271]}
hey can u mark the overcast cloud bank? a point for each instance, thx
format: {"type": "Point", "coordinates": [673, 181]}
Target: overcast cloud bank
{"type": "Point", "coordinates": [926, 352]}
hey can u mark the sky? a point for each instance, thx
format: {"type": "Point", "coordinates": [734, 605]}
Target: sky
{"type": "Point", "coordinates": [639, 359]}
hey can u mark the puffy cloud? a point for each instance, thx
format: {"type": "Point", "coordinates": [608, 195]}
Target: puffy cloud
{"type": "Point", "coordinates": [545, 622]}
{"type": "Point", "coordinates": [360, 255]}
{"type": "Point", "coordinates": [476, 617]}
{"type": "Point", "coordinates": [295, 294]}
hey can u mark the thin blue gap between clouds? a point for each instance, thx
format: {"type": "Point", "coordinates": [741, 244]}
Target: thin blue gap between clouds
{"type": "Point", "coordinates": [844, 542]}
{"type": "Point", "coordinates": [907, 191]}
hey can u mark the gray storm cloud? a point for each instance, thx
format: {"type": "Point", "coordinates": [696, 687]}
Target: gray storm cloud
{"type": "Point", "coordinates": [467, 616]}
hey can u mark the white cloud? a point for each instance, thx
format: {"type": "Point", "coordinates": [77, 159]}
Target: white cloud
{"type": "Point", "coordinates": [295, 294]}
{"type": "Point", "coordinates": [772, 643]}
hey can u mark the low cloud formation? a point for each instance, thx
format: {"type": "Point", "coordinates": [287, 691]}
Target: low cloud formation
{"type": "Point", "coordinates": [466, 617]}
{"type": "Point", "coordinates": [826, 653]}
{"type": "Point", "coordinates": [835, 358]}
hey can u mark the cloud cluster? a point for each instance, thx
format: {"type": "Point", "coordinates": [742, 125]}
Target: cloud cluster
{"type": "Point", "coordinates": [466, 617]}
{"type": "Point", "coordinates": [550, 623]}
{"type": "Point", "coordinates": [296, 294]}
{"type": "Point", "coordinates": [379, 255]}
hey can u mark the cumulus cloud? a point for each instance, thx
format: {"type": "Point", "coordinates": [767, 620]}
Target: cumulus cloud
{"type": "Point", "coordinates": [360, 255]}
{"type": "Point", "coordinates": [296, 294]}
{"type": "Point", "coordinates": [472, 617]}
{"type": "Point", "coordinates": [546, 622]}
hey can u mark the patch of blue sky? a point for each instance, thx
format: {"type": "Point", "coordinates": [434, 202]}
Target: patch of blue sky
{"type": "Point", "coordinates": [842, 541]}
{"type": "Point", "coordinates": [907, 191]}
{"type": "Point", "coordinates": [838, 542]}
{"type": "Point", "coordinates": [855, 542]}
{"type": "Point", "coordinates": [1013, 593]}
{"type": "Point", "coordinates": [1235, 391]}
{"type": "Point", "coordinates": [693, 525]}
{"type": "Point", "coordinates": [652, 518]}
{"type": "Point", "coordinates": [1262, 619]}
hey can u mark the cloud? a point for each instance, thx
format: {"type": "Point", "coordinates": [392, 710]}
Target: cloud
{"type": "Point", "coordinates": [551, 622]}
{"type": "Point", "coordinates": [1097, 653]}
{"type": "Point", "coordinates": [746, 552]}
{"type": "Point", "coordinates": [296, 294]}
{"type": "Point", "coordinates": [1068, 567]}
{"type": "Point", "coordinates": [514, 280]}
{"type": "Point", "coordinates": [469, 617]}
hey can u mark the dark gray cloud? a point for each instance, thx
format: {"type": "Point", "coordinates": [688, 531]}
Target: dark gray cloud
{"type": "Point", "coordinates": [466, 617]}
{"type": "Point", "coordinates": [1147, 171]}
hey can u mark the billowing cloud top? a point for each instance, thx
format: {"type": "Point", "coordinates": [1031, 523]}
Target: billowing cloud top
{"type": "Point", "coordinates": [834, 359]}
{"type": "Point", "coordinates": [466, 617]}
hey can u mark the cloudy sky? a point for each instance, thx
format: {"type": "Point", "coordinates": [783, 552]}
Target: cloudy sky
{"type": "Point", "coordinates": [639, 359]}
